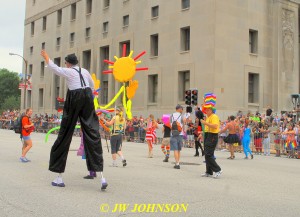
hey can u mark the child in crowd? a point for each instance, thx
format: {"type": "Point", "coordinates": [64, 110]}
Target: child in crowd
{"type": "Point", "coordinates": [277, 135]}
{"type": "Point", "coordinates": [266, 139]}
{"type": "Point", "coordinates": [290, 143]}
{"type": "Point", "coordinates": [257, 138]}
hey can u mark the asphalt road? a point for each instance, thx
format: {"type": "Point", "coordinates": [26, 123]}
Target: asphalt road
{"type": "Point", "coordinates": [264, 186]}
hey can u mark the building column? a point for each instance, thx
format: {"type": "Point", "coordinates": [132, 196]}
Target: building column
{"type": "Point", "coordinates": [286, 53]}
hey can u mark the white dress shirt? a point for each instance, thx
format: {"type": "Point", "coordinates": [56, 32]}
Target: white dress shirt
{"type": "Point", "coordinates": [72, 76]}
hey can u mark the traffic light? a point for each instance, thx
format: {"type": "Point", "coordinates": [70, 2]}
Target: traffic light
{"type": "Point", "coordinates": [194, 97]}
{"type": "Point", "coordinates": [188, 97]}
{"type": "Point", "coordinates": [59, 104]}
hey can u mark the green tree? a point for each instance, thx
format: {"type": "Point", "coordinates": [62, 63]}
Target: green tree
{"type": "Point", "coordinates": [9, 86]}
{"type": "Point", "coordinates": [11, 103]}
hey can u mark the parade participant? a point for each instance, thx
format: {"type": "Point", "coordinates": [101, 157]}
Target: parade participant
{"type": "Point", "coordinates": [232, 137]}
{"type": "Point", "coordinates": [165, 145]}
{"type": "Point", "coordinates": [212, 127]}
{"type": "Point", "coordinates": [78, 104]}
{"type": "Point", "coordinates": [117, 131]}
{"type": "Point", "coordinates": [246, 139]}
{"type": "Point", "coordinates": [177, 121]}
{"type": "Point", "coordinates": [198, 129]}
{"type": "Point", "coordinates": [190, 133]}
{"type": "Point", "coordinates": [222, 136]}
{"type": "Point", "coordinates": [80, 152]}
{"type": "Point", "coordinates": [151, 134]}
{"type": "Point", "coordinates": [27, 128]}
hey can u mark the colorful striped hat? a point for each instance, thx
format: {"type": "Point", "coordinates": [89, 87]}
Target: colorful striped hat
{"type": "Point", "coordinates": [210, 100]}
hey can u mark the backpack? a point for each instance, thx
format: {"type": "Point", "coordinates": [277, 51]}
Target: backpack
{"type": "Point", "coordinates": [176, 127]}
{"type": "Point", "coordinates": [18, 124]}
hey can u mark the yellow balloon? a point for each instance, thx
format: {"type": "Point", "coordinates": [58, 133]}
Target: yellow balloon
{"type": "Point", "coordinates": [96, 104]}
{"type": "Point", "coordinates": [128, 111]}
{"type": "Point", "coordinates": [96, 82]}
{"type": "Point", "coordinates": [114, 99]}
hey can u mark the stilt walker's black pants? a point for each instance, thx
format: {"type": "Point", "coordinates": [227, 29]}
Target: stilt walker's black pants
{"type": "Point", "coordinates": [79, 104]}
{"type": "Point", "coordinates": [210, 143]}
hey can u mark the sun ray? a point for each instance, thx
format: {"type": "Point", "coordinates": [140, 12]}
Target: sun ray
{"type": "Point", "coordinates": [141, 69]}
{"type": "Point", "coordinates": [124, 50]}
{"type": "Point", "coordinates": [107, 72]}
{"type": "Point", "coordinates": [116, 58]}
{"type": "Point", "coordinates": [138, 56]}
{"type": "Point", "coordinates": [109, 62]}
{"type": "Point", "coordinates": [130, 55]}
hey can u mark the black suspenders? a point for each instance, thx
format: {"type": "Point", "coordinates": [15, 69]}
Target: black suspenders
{"type": "Point", "coordinates": [81, 78]}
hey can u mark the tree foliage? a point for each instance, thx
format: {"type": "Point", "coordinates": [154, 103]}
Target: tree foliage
{"type": "Point", "coordinates": [11, 103]}
{"type": "Point", "coordinates": [9, 88]}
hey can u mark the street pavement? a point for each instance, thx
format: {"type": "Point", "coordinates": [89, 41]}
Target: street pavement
{"type": "Point", "coordinates": [264, 186]}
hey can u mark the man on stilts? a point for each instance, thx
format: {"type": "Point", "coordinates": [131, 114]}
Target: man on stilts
{"type": "Point", "coordinates": [78, 104]}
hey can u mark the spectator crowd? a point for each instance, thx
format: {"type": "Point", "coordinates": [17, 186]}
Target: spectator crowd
{"type": "Point", "coordinates": [269, 125]}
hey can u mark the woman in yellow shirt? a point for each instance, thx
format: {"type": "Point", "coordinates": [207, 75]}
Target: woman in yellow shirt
{"type": "Point", "coordinates": [117, 131]}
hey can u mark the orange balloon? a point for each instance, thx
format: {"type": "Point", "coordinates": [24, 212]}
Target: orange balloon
{"type": "Point", "coordinates": [131, 89]}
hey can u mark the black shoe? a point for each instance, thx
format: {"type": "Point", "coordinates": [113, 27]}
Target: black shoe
{"type": "Point", "coordinates": [197, 155]}
{"type": "Point", "coordinates": [166, 159]}
{"type": "Point", "coordinates": [88, 177]}
{"type": "Point", "coordinates": [202, 154]}
{"type": "Point", "coordinates": [251, 156]}
{"type": "Point", "coordinates": [176, 167]}
{"type": "Point", "coordinates": [124, 163]}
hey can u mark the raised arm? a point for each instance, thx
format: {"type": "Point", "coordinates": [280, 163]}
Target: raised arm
{"type": "Point", "coordinates": [51, 65]}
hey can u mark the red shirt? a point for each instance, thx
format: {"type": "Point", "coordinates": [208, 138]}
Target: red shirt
{"type": "Point", "coordinates": [26, 121]}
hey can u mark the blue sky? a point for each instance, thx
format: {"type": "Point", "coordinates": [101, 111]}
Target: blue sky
{"type": "Point", "coordinates": [12, 16]}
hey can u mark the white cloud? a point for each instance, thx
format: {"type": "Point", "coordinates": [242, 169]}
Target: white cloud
{"type": "Point", "coordinates": [12, 15]}
{"type": "Point", "coordinates": [12, 63]}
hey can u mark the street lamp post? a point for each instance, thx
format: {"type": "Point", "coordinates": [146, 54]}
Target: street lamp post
{"type": "Point", "coordinates": [25, 61]}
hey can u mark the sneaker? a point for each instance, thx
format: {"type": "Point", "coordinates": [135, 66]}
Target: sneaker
{"type": "Point", "coordinates": [58, 182]}
{"type": "Point", "coordinates": [88, 177]}
{"type": "Point", "coordinates": [218, 174]}
{"type": "Point", "coordinates": [197, 155]}
{"type": "Point", "coordinates": [251, 156]}
{"type": "Point", "coordinates": [103, 184]}
{"type": "Point", "coordinates": [27, 159]}
{"type": "Point", "coordinates": [177, 167]}
{"type": "Point", "coordinates": [23, 159]}
{"type": "Point", "coordinates": [206, 175]}
{"type": "Point", "coordinates": [166, 159]}
{"type": "Point", "coordinates": [124, 163]}
{"type": "Point", "coordinates": [246, 158]}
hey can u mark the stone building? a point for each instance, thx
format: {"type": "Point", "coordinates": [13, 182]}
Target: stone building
{"type": "Point", "coordinates": [245, 51]}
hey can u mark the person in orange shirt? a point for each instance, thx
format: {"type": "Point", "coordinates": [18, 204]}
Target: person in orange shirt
{"type": "Point", "coordinates": [27, 128]}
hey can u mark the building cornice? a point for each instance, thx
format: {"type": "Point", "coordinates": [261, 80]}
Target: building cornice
{"type": "Point", "coordinates": [295, 1]}
{"type": "Point", "coordinates": [51, 10]}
